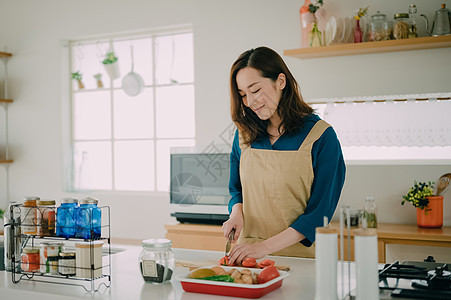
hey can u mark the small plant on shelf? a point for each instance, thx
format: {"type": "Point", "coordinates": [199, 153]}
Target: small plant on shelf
{"type": "Point", "coordinates": [98, 78]}
{"type": "Point", "coordinates": [78, 76]}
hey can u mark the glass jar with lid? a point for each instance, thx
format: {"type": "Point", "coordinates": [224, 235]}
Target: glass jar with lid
{"type": "Point", "coordinates": [380, 28]}
{"type": "Point", "coordinates": [401, 26]}
{"type": "Point", "coordinates": [156, 260]}
{"type": "Point", "coordinates": [66, 216]}
{"type": "Point", "coordinates": [46, 217]}
{"type": "Point", "coordinates": [29, 215]}
{"type": "Point", "coordinates": [89, 219]}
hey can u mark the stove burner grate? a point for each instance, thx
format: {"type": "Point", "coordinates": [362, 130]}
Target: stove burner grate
{"type": "Point", "coordinates": [427, 280]}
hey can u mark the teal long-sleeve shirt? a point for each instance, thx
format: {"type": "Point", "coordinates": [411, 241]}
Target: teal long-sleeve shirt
{"type": "Point", "coordinates": [328, 168]}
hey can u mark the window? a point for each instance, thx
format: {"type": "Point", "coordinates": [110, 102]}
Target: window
{"type": "Point", "coordinates": [121, 142]}
{"type": "Point", "coordinates": [412, 128]}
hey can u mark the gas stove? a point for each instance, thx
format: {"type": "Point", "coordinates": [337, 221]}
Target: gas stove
{"type": "Point", "coordinates": [426, 279]}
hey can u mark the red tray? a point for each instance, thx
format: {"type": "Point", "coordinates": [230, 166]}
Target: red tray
{"type": "Point", "coordinates": [230, 288]}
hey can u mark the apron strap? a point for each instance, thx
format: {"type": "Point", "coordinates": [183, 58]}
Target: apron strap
{"type": "Point", "coordinates": [314, 134]}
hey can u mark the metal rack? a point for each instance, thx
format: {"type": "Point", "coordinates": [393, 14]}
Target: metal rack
{"type": "Point", "coordinates": [19, 241]}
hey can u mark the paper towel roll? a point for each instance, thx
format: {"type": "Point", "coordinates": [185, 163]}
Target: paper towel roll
{"type": "Point", "coordinates": [367, 275]}
{"type": "Point", "coordinates": [326, 258]}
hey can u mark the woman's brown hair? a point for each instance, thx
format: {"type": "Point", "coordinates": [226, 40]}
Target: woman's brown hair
{"type": "Point", "coordinates": [291, 109]}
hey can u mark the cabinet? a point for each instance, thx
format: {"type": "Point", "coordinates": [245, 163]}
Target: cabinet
{"type": "Point", "coordinates": [5, 158]}
{"type": "Point", "coordinates": [430, 42]}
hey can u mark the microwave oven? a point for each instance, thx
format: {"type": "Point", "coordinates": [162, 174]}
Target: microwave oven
{"type": "Point", "coordinates": [199, 185]}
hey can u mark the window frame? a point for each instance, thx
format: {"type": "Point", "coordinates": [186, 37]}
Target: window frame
{"type": "Point", "coordinates": [68, 93]}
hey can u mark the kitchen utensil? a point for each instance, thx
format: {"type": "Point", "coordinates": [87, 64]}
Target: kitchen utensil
{"type": "Point", "coordinates": [230, 288]}
{"type": "Point", "coordinates": [229, 241]}
{"type": "Point", "coordinates": [443, 183]}
{"type": "Point", "coordinates": [132, 83]}
{"type": "Point", "coordinates": [441, 23]}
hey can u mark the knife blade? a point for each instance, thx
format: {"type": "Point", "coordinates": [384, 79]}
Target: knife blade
{"type": "Point", "coordinates": [229, 241]}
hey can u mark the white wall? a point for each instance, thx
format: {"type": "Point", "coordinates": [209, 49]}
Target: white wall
{"type": "Point", "coordinates": [32, 31]}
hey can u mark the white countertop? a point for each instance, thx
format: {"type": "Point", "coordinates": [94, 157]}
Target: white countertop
{"type": "Point", "coordinates": [127, 282]}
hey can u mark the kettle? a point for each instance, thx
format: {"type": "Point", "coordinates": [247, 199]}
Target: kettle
{"type": "Point", "coordinates": [441, 25]}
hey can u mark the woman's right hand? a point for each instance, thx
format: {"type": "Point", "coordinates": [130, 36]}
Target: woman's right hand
{"type": "Point", "coordinates": [235, 220]}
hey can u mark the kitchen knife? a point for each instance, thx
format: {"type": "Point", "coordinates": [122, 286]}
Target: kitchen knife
{"type": "Point", "coordinates": [229, 241]}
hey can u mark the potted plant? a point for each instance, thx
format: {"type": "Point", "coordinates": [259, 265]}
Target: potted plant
{"type": "Point", "coordinates": [78, 76]}
{"type": "Point", "coordinates": [98, 78]}
{"type": "Point", "coordinates": [111, 64]}
{"type": "Point", "coordinates": [429, 206]}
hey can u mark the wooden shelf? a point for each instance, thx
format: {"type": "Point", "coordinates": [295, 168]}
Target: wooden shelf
{"type": "Point", "coordinates": [6, 161]}
{"type": "Point", "coordinates": [5, 54]}
{"type": "Point", "coordinates": [2, 100]}
{"type": "Point", "coordinates": [430, 42]}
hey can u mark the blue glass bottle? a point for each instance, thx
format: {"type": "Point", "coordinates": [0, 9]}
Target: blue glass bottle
{"type": "Point", "coordinates": [89, 219]}
{"type": "Point", "coordinates": [66, 216]}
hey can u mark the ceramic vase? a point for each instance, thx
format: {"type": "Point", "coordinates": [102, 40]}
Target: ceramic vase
{"type": "Point", "coordinates": [432, 215]}
{"type": "Point", "coordinates": [358, 34]}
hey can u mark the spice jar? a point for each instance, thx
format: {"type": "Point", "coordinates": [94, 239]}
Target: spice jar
{"type": "Point", "coordinates": [66, 263]}
{"type": "Point", "coordinates": [30, 259]}
{"type": "Point", "coordinates": [370, 213]}
{"type": "Point", "coordinates": [49, 254]}
{"type": "Point", "coordinates": [88, 224]}
{"type": "Point", "coordinates": [66, 215]}
{"type": "Point", "coordinates": [29, 215]}
{"type": "Point", "coordinates": [380, 28]}
{"type": "Point", "coordinates": [401, 26]}
{"type": "Point", "coordinates": [156, 260]}
{"type": "Point", "coordinates": [46, 218]}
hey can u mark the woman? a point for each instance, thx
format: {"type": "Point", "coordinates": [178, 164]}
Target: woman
{"type": "Point", "coordinates": [286, 166]}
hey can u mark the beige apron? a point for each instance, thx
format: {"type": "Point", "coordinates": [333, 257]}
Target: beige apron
{"type": "Point", "coordinates": [276, 188]}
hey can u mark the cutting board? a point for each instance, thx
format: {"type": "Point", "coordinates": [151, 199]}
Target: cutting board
{"type": "Point", "coordinates": [194, 265]}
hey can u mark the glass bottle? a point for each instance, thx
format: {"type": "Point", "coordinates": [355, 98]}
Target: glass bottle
{"type": "Point", "coordinates": [370, 212]}
{"type": "Point", "coordinates": [156, 260]}
{"type": "Point", "coordinates": [66, 215]}
{"type": "Point", "coordinates": [88, 219]}
{"type": "Point", "coordinates": [412, 23]}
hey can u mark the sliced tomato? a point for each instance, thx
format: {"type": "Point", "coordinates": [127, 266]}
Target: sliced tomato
{"type": "Point", "coordinates": [224, 261]}
{"type": "Point", "coordinates": [266, 263]}
{"type": "Point", "coordinates": [249, 262]}
{"type": "Point", "coordinates": [268, 273]}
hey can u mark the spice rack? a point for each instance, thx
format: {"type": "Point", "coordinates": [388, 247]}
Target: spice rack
{"type": "Point", "coordinates": [91, 283]}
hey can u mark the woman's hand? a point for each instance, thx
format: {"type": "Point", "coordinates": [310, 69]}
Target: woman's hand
{"type": "Point", "coordinates": [235, 220]}
{"type": "Point", "coordinates": [242, 251]}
